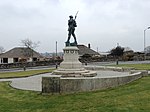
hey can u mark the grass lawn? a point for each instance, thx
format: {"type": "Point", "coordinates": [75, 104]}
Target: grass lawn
{"type": "Point", "coordinates": [133, 97]}
{"type": "Point", "coordinates": [23, 73]}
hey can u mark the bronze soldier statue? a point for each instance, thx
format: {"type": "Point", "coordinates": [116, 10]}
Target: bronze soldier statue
{"type": "Point", "coordinates": [71, 24]}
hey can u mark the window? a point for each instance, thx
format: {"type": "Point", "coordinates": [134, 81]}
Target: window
{"type": "Point", "coordinates": [5, 60]}
{"type": "Point", "coordinates": [34, 59]}
{"type": "Point", "coordinates": [15, 60]}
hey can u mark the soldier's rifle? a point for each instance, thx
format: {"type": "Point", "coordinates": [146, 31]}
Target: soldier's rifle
{"type": "Point", "coordinates": [76, 15]}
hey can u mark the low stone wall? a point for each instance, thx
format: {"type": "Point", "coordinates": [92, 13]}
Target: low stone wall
{"type": "Point", "coordinates": [73, 85]}
{"type": "Point", "coordinates": [91, 84]}
{"type": "Point", "coordinates": [119, 69]}
{"type": "Point", "coordinates": [143, 72]}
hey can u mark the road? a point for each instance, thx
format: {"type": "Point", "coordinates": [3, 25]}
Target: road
{"type": "Point", "coordinates": [27, 69]}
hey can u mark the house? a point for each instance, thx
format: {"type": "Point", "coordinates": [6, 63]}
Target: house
{"type": "Point", "coordinates": [87, 54]}
{"type": "Point", "coordinates": [128, 54]}
{"type": "Point", "coordinates": [84, 50]}
{"type": "Point", "coordinates": [19, 54]}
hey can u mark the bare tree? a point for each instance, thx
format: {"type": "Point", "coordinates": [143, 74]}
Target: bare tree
{"type": "Point", "coordinates": [30, 45]}
{"type": "Point", "coordinates": [2, 49]}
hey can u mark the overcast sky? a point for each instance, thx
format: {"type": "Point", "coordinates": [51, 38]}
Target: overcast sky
{"type": "Point", "coordinates": [102, 23]}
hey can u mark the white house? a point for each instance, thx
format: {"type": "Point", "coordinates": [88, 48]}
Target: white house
{"type": "Point", "coordinates": [19, 54]}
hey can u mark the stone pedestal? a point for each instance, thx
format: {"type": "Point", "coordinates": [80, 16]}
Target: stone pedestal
{"type": "Point", "coordinates": [71, 58]}
{"type": "Point", "coordinates": [71, 66]}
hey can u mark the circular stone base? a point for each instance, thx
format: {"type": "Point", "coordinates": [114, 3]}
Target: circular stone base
{"type": "Point", "coordinates": [74, 73]}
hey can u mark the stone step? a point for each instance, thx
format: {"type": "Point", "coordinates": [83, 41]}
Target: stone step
{"type": "Point", "coordinates": [89, 74]}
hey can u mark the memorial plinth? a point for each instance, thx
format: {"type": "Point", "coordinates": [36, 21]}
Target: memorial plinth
{"type": "Point", "coordinates": [71, 66]}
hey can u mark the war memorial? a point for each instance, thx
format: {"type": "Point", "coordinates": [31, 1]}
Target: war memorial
{"type": "Point", "coordinates": [71, 66]}
{"type": "Point", "coordinates": [72, 76]}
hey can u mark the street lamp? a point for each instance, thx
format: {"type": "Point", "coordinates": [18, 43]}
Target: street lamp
{"type": "Point", "coordinates": [56, 49]}
{"type": "Point", "coordinates": [144, 38]}
{"type": "Point", "coordinates": [56, 56]}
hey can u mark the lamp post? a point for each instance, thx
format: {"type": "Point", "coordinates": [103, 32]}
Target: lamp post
{"type": "Point", "coordinates": [56, 49]}
{"type": "Point", "coordinates": [56, 56]}
{"type": "Point", "coordinates": [145, 41]}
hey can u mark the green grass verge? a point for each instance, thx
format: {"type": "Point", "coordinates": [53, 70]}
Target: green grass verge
{"type": "Point", "coordinates": [24, 73]}
{"type": "Point", "coordinates": [133, 97]}
{"type": "Point", "coordinates": [136, 66]}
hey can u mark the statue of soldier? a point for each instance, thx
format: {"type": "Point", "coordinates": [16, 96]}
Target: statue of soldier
{"type": "Point", "coordinates": [72, 24]}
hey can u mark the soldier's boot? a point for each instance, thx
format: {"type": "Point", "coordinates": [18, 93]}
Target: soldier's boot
{"type": "Point", "coordinates": [75, 40]}
{"type": "Point", "coordinates": [68, 39]}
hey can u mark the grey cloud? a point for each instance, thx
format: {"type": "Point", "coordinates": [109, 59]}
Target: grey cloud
{"type": "Point", "coordinates": [103, 23]}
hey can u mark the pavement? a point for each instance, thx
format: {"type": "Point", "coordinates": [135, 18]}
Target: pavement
{"type": "Point", "coordinates": [33, 83]}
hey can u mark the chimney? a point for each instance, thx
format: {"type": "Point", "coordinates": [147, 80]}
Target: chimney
{"type": "Point", "coordinates": [89, 46]}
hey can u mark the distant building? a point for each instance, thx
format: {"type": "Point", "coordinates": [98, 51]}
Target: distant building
{"type": "Point", "coordinates": [19, 54]}
{"type": "Point", "coordinates": [147, 50]}
{"type": "Point", "coordinates": [128, 54]}
{"type": "Point", "coordinates": [84, 50]}
{"type": "Point", "coordinates": [128, 49]}
{"type": "Point", "coordinates": [86, 53]}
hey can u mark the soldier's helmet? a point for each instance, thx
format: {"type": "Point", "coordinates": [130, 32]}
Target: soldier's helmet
{"type": "Point", "coordinates": [71, 16]}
